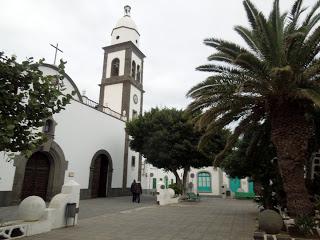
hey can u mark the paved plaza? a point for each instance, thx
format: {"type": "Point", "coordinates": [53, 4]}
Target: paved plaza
{"type": "Point", "coordinates": [118, 218]}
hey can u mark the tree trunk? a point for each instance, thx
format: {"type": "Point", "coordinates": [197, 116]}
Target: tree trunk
{"type": "Point", "coordinates": [290, 134]}
{"type": "Point", "coordinates": [178, 179]}
{"type": "Point", "coordinates": [184, 183]}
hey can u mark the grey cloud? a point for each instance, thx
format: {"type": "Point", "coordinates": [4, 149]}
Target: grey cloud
{"type": "Point", "coordinates": [171, 36]}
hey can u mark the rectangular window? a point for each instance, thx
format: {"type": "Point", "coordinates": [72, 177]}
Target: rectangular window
{"type": "Point", "coordinates": [133, 161]}
{"type": "Point", "coordinates": [134, 114]}
{"type": "Point", "coordinates": [154, 183]}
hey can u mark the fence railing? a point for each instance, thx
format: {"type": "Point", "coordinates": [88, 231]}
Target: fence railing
{"type": "Point", "coordinates": [101, 108]}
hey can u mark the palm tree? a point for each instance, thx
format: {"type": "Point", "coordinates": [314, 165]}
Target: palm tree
{"type": "Point", "coordinates": [276, 77]}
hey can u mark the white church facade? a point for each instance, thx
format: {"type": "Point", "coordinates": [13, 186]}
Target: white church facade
{"type": "Point", "coordinates": [87, 141]}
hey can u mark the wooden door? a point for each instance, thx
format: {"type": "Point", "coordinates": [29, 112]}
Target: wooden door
{"type": "Point", "coordinates": [99, 178]}
{"type": "Point", "coordinates": [36, 176]}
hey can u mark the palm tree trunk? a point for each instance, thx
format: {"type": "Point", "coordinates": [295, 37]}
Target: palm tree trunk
{"type": "Point", "coordinates": [290, 135]}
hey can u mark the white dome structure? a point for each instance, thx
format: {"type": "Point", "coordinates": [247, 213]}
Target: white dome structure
{"type": "Point", "coordinates": [127, 22]}
{"type": "Point", "coordinates": [125, 29]}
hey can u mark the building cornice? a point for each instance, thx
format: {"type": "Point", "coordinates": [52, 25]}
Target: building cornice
{"type": "Point", "coordinates": [123, 46]}
{"type": "Point", "coordinates": [121, 79]}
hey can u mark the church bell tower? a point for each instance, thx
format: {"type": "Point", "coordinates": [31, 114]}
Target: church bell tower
{"type": "Point", "coordinates": [121, 87]}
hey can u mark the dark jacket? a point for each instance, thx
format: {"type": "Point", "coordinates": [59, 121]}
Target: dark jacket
{"type": "Point", "coordinates": [136, 188]}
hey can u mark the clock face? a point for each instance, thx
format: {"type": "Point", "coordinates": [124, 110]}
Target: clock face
{"type": "Point", "coordinates": [135, 98]}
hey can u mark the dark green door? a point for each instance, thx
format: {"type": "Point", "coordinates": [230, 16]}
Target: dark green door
{"type": "Point", "coordinates": [204, 182]}
{"type": "Point", "coordinates": [154, 183]}
{"type": "Point", "coordinates": [166, 181]}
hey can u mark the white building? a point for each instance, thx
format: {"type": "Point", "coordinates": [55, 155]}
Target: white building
{"type": "Point", "coordinates": [87, 140]}
{"type": "Point", "coordinates": [205, 181]}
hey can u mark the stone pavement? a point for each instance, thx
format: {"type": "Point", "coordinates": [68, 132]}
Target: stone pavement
{"type": "Point", "coordinates": [90, 207]}
{"type": "Point", "coordinates": [214, 219]}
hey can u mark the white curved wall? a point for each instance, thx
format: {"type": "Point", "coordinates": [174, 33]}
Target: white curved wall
{"type": "Point", "coordinates": [125, 35]}
{"type": "Point", "coordinates": [67, 84]}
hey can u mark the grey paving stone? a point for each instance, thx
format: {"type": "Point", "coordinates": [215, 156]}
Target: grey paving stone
{"type": "Point", "coordinates": [211, 218]}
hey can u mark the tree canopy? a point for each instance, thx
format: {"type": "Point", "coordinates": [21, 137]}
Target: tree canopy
{"type": "Point", "coordinates": [275, 78]}
{"type": "Point", "coordinates": [168, 140]}
{"type": "Point", "coordinates": [27, 99]}
{"type": "Point", "coordinates": [254, 156]}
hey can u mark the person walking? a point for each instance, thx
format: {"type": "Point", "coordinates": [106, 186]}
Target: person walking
{"type": "Point", "coordinates": [133, 190]}
{"type": "Point", "coordinates": [138, 192]}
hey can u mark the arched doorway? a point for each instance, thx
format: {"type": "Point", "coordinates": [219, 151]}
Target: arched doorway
{"type": "Point", "coordinates": [204, 182]}
{"type": "Point", "coordinates": [58, 166]}
{"type": "Point", "coordinates": [100, 180]}
{"type": "Point", "coordinates": [36, 176]}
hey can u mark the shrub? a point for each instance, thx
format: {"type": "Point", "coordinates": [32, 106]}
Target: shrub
{"type": "Point", "coordinates": [177, 189]}
{"type": "Point", "coordinates": [305, 224]}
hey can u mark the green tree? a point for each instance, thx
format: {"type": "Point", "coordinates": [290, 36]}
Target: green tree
{"type": "Point", "coordinates": [168, 140]}
{"type": "Point", "coordinates": [275, 77]}
{"type": "Point", "coordinates": [27, 98]}
{"type": "Point", "coordinates": [254, 156]}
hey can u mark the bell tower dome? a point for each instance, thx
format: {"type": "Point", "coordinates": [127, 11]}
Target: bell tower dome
{"type": "Point", "coordinates": [125, 29]}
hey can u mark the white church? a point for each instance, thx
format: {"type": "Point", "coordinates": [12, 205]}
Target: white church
{"type": "Point", "coordinates": [87, 141]}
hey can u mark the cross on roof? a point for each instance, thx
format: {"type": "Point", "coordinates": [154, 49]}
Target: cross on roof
{"type": "Point", "coordinates": [55, 54]}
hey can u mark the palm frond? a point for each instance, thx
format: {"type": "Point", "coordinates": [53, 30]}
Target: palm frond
{"type": "Point", "coordinates": [311, 94]}
{"type": "Point", "coordinates": [241, 128]}
{"type": "Point", "coordinates": [252, 12]}
{"type": "Point", "coordinates": [310, 15]}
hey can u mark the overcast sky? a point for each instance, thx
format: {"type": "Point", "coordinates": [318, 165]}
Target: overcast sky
{"type": "Point", "coordinates": [171, 32]}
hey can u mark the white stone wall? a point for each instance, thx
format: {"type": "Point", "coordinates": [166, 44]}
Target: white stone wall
{"type": "Point", "coordinates": [138, 62]}
{"type": "Point", "coordinates": [147, 180]}
{"type": "Point", "coordinates": [218, 178]}
{"type": "Point", "coordinates": [215, 179]}
{"type": "Point", "coordinates": [113, 55]}
{"type": "Point", "coordinates": [7, 171]}
{"type": "Point", "coordinates": [132, 172]}
{"type": "Point", "coordinates": [133, 106]}
{"type": "Point", "coordinates": [245, 184]}
{"type": "Point", "coordinates": [81, 132]}
{"type": "Point", "coordinates": [136, 59]}
{"type": "Point", "coordinates": [113, 97]}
